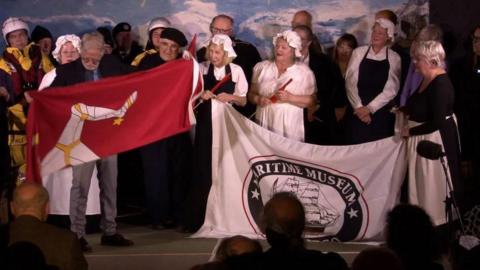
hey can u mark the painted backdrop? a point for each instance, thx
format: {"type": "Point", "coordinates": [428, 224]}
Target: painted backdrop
{"type": "Point", "coordinates": [255, 20]}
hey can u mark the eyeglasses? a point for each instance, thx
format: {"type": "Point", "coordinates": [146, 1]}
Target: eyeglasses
{"type": "Point", "coordinates": [220, 31]}
{"type": "Point", "coordinates": [476, 39]}
{"type": "Point", "coordinates": [88, 60]}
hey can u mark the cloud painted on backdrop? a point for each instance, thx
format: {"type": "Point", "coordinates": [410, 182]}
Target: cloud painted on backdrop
{"type": "Point", "coordinates": [255, 21]}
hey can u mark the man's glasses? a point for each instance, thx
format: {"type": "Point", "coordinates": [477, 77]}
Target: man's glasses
{"type": "Point", "coordinates": [475, 38]}
{"type": "Point", "coordinates": [220, 31]}
{"type": "Point", "coordinates": [88, 60]}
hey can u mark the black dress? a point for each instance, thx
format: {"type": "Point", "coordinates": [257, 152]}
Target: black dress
{"type": "Point", "coordinates": [324, 129]}
{"type": "Point", "coordinates": [200, 186]}
{"type": "Point", "coordinates": [431, 118]}
{"type": "Point", "coordinates": [166, 168]}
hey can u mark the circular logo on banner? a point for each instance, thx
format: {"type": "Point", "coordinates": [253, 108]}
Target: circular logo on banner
{"type": "Point", "coordinates": [334, 207]}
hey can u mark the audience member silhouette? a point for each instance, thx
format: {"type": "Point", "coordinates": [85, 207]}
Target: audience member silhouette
{"type": "Point", "coordinates": [25, 256]}
{"type": "Point", "coordinates": [237, 245]}
{"type": "Point", "coordinates": [411, 235]}
{"type": "Point", "coordinates": [215, 265]}
{"type": "Point", "coordinates": [377, 258]}
{"type": "Point", "coordinates": [471, 259]}
{"type": "Point", "coordinates": [283, 224]}
{"type": "Point", "coordinates": [30, 208]}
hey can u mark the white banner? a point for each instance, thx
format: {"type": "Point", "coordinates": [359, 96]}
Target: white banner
{"type": "Point", "coordinates": [346, 190]}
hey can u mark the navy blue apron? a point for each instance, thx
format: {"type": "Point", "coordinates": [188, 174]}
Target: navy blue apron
{"type": "Point", "coordinates": [372, 77]}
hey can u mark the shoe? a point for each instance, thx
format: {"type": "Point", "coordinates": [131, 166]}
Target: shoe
{"type": "Point", "coordinates": [115, 240]}
{"type": "Point", "coordinates": [84, 245]}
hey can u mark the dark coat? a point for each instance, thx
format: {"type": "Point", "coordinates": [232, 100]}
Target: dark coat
{"type": "Point", "coordinates": [74, 72]}
{"type": "Point", "coordinates": [60, 247]}
{"type": "Point", "coordinates": [128, 58]}
{"type": "Point", "coordinates": [5, 172]}
{"type": "Point", "coordinates": [279, 258]}
{"type": "Point", "coordinates": [330, 95]}
{"type": "Point", "coordinates": [150, 61]}
{"type": "Point", "coordinates": [283, 258]}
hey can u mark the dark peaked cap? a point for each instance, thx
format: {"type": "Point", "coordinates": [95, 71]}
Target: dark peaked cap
{"type": "Point", "coordinates": [40, 32]}
{"type": "Point", "coordinates": [121, 27]}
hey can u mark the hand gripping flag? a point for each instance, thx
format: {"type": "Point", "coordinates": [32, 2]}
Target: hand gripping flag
{"type": "Point", "coordinates": [69, 126]}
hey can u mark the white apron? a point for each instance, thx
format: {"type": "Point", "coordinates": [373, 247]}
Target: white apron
{"type": "Point", "coordinates": [427, 185]}
{"type": "Point", "coordinates": [282, 118]}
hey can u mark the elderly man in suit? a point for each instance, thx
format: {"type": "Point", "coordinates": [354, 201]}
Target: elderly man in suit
{"type": "Point", "coordinates": [91, 66]}
{"type": "Point", "coordinates": [30, 208]}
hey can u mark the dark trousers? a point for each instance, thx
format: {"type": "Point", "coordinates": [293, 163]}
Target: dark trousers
{"type": "Point", "coordinates": [167, 169]}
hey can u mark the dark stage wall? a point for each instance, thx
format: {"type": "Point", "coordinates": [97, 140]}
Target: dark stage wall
{"type": "Point", "coordinates": [457, 18]}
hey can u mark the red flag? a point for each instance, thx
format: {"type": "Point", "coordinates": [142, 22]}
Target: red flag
{"type": "Point", "coordinates": [192, 48]}
{"type": "Point", "coordinates": [72, 125]}
{"type": "Point", "coordinates": [282, 88]}
{"type": "Point", "coordinates": [213, 90]}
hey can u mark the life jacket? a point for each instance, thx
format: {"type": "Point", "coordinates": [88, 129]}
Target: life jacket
{"type": "Point", "coordinates": [138, 59]}
{"type": "Point", "coordinates": [17, 139]}
{"type": "Point", "coordinates": [26, 68]}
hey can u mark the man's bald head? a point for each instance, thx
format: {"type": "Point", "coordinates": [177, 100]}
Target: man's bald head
{"type": "Point", "coordinates": [285, 215]}
{"type": "Point", "coordinates": [302, 17]}
{"type": "Point", "coordinates": [237, 245]}
{"type": "Point", "coordinates": [222, 24]}
{"type": "Point", "coordinates": [30, 199]}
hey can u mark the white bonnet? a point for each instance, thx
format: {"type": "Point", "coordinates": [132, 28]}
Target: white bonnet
{"type": "Point", "coordinates": [384, 23]}
{"type": "Point", "coordinates": [159, 22]}
{"type": "Point", "coordinates": [226, 42]}
{"type": "Point", "coordinates": [293, 40]}
{"type": "Point", "coordinates": [74, 39]}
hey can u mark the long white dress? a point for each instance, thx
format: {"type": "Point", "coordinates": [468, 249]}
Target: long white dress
{"type": "Point", "coordinates": [59, 183]}
{"type": "Point", "coordinates": [282, 118]}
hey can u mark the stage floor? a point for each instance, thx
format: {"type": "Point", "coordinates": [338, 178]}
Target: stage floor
{"type": "Point", "coordinates": [168, 249]}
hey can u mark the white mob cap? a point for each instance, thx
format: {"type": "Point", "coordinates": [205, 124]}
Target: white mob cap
{"type": "Point", "coordinates": [384, 23]}
{"type": "Point", "coordinates": [61, 40]}
{"type": "Point", "coordinates": [226, 42]}
{"type": "Point", "coordinates": [159, 22]}
{"type": "Point", "coordinates": [293, 40]}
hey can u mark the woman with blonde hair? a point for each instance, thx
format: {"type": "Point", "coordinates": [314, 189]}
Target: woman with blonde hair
{"type": "Point", "coordinates": [282, 88]}
{"type": "Point", "coordinates": [372, 81]}
{"type": "Point", "coordinates": [231, 90]}
{"type": "Point", "coordinates": [430, 114]}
